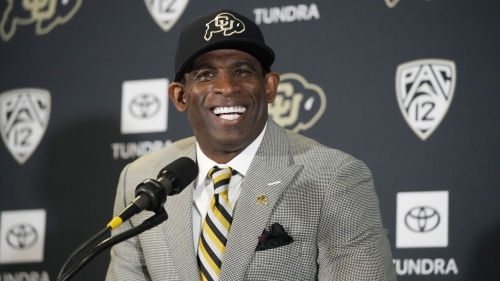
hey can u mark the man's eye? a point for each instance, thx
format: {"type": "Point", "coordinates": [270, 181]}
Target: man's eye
{"type": "Point", "coordinates": [204, 74]}
{"type": "Point", "coordinates": [242, 71]}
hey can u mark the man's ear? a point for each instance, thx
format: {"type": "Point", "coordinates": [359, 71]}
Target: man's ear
{"type": "Point", "coordinates": [177, 95]}
{"type": "Point", "coordinates": [272, 81]}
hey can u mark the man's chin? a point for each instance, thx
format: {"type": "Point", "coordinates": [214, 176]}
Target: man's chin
{"type": "Point", "coordinates": [233, 143]}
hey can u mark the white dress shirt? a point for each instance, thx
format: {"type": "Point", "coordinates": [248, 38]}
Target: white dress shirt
{"type": "Point", "coordinates": [203, 193]}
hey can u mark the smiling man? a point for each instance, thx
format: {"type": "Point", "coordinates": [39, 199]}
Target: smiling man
{"type": "Point", "coordinates": [268, 204]}
{"type": "Point", "coordinates": [225, 94]}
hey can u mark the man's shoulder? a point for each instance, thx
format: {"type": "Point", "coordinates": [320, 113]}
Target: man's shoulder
{"type": "Point", "coordinates": [314, 155]}
{"type": "Point", "coordinates": [303, 146]}
{"type": "Point", "coordinates": [151, 163]}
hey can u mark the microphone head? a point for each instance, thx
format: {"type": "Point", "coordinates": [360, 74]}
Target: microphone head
{"type": "Point", "coordinates": [180, 172]}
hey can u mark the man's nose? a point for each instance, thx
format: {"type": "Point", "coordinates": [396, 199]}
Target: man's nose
{"type": "Point", "coordinates": [225, 84]}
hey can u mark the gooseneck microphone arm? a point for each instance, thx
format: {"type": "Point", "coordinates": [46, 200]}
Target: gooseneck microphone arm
{"type": "Point", "coordinates": [153, 221]}
{"type": "Point", "coordinates": [150, 195]}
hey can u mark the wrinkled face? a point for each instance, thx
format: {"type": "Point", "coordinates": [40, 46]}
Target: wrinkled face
{"type": "Point", "coordinates": [226, 97]}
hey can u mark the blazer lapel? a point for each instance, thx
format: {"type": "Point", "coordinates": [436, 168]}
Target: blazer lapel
{"type": "Point", "coordinates": [178, 230]}
{"type": "Point", "coordinates": [269, 174]}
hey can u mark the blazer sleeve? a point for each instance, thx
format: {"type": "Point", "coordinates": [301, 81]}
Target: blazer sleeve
{"type": "Point", "coordinates": [352, 243]}
{"type": "Point", "coordinates": [127, 260]}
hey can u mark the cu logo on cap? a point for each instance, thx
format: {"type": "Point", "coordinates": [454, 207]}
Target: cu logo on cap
{"type": "Point", "coordinates": [422, 219]}
{"type": "Point", "coordinates": [144, 106]}
{"type": "Point", "coordinates": [22, 236]}
{"type": "Point", "coordinates": [224, 22]}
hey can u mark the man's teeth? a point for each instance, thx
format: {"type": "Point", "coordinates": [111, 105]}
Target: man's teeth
{"type": "Point", "coordinates": [229, 113]}
{"type": "Point", "coordinates": [232, 109]}
{"type": "Point", "coordinates": [229, 116]}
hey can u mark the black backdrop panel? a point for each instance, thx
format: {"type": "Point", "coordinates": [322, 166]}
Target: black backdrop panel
{"type": "Point", "coordinates": [347, 52]}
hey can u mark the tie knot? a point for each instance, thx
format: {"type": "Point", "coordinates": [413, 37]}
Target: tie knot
{"type": "Point", "coordinates": [221, 176]}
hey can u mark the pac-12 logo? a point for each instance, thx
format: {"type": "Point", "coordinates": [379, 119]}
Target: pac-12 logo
{"type": "Point", "coordinates": [424, 90]}
{"type": "Point", "coordinates": [298, 104]}
{"type": "Point", "coordinates": [46, 14]}
{"type": "Point", "coordinates": [166, 12]}
{"type": "Point", "coordinates": [24, 115]}
{"type": "Point", "coordinates": [391, 3]}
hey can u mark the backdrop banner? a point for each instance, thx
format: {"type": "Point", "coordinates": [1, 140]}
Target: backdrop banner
{"type": "Point", "coordinates": [408, 86]}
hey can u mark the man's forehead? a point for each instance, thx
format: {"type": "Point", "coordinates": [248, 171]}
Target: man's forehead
{"type": "Point", "coordinates": [225, 56]}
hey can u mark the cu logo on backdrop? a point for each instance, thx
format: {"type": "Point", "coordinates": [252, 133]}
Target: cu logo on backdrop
{"type": "Point", "coordinates": [144, 106]}
{"type": "Point", "coordinates": [298, 104]}
{"type": "Point", "coordinates": [45, 14]}
{"type": "Point", "coordinates": [22, 236]}
{"type": "Point", "coordinates": [422, 219]}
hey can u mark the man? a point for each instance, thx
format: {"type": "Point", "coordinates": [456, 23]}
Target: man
{"type": "Point", "coordinates": [288, 208]}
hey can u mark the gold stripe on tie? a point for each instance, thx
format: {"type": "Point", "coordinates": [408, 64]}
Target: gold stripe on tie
{"type": "Point", "coordinates": [217, 223]}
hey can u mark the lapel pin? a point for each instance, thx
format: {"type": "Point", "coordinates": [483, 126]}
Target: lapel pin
{"type": "Point", "coordinates": [274, 183]}
{"type": "Point", "coordinates": [262, 200]}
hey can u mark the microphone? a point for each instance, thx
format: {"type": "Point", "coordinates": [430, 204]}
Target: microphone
{"type": "Point", "coordinates": [152, 194]}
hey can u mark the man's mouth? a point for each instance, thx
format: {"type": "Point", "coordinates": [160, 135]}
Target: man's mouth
{"type": "Point", "coordinates": [229, 113]}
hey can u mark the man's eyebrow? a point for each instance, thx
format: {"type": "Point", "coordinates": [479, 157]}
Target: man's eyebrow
{"type": "Point", "coordinates": [248, 63]}
{"type": "Point", "coordinates": [205, 65]}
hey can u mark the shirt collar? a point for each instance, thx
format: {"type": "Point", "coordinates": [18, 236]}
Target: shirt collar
{"type": "Point", "coordinates": [240, 163]}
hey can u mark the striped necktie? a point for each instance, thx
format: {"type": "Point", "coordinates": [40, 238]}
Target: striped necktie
{"type": "Point", "coordinates": [218, 220]}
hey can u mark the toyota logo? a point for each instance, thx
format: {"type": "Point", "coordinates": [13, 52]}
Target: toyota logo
{"type": "Point", "coordinates": [22, 236]}
{"type": "Point", "coordinates": [144, 106]}
{"type": "Point", "coordinates": [422, 219]}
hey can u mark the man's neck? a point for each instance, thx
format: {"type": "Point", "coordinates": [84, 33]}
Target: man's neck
{"type": "Point", "coordinates": [223, 154]}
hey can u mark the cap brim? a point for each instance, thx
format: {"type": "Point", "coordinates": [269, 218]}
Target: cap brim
{"type": "Point", "coordinates": [261, 52]}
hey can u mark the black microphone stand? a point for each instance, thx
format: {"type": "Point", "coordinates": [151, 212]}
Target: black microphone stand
{"type": "Point", "coordinates": [150, 195]}
{"type": "Point", "coordinates": [159, 217]}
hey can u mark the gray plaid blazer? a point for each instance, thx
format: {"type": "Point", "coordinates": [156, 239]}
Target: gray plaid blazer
{"type": "Point", "coordinates": [324, 199]}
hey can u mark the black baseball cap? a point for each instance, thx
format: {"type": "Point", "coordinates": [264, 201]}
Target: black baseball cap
{"type": "Point", "coordinates": [221, 29]}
